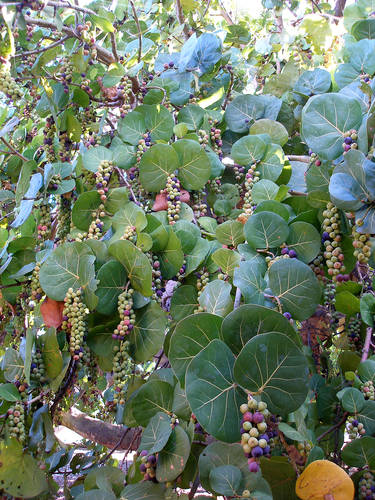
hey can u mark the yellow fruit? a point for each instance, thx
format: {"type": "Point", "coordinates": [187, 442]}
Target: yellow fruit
{"type": "Point", "coordinates": [322, 478]}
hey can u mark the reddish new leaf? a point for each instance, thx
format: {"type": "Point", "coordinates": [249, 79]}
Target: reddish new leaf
{"type": "Point", "coordinates": [161, 200]}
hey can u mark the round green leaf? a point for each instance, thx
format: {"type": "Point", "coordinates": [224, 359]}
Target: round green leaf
{"type": "Point", "coordinates": [147, 335]}
{"type": "Point", "coordinates": [191, 335]}
{"type": "Point", "coordinates": [227, 260]}
{"type": "Point", "coordinates": [156, 165]}
{"type": "Point", "coordinates": [184, 301]}
{"type": "Point", "coordinates": [230, 233]}
{"type": "Point", "coordinates": [296, 286]}
{"type": "Point", "coordinates": [70, 265]}
{"type": "Point", "coordinates": [249, 278]}
{"type": "Point", "coordinates": [273, 206]}
{"type": "Point", "coordinates": [305, 239]}
{"type": "Point", "coordinates": [249, 320]}
{"type": "Point", "coordinates": [266, 230]}
{"type": "Point", "coordinates": [194, 167]}
{"type": "Point", "coordinates": [264, 190]}
{"type": "Point", "coordinates": [151, 398]}
{"type": "Point", "coordinates": [352, 400]}
{"type": "Point", "coordinates": [145, 490]}
{"type": "Point", "coordinates": [212, 393]}
{"type": "Point", "coordinates": [156, 434]}
{"type": "Point", "coordinates": [131, 128]}
{"type": "Point", "coordinates": [92, 158]}
{"type": "Point", "coordinates": [173, 457]}
{"type": "Point", "coordinates": [273, 366]}
{"type": "Point", "coordinates": [136, 263]}
{"type": "Point", "coordinates": [159, 121]}
{"type": "Point", "coordinates": [249, 149]}
{"type": "Point", "coordinates": [192, 116]}
{"type": "Point", "coordinates": [360, 452]}
{"type": "Point", "coordinates": [243, 111]}
{"type": "Point", "coordinates": [112, 280]}
{"type": "Point", "coordinates": [325, 119]}
{"type": "Point", "coordinates": [86, 203]}
{"type": "Point", "coordinates": [276, 130]}
{"type": "Point", "coordinates": [227, 480]}
{"type": "Point", "coordinates": [272, 163]}
{"type": "Point", "coordinates": [216, 298]}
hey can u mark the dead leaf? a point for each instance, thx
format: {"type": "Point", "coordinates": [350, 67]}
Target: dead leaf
{"type": "Point", "coordinates": [52, 312]}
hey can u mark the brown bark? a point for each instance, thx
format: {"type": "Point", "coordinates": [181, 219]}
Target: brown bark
{"type": "Point", "coordinates": [339, 8]}
{"type": "Point", "coordinates": [100, 432]}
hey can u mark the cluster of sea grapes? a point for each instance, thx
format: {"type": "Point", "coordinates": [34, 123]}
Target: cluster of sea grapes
{"type": "Point", "coordinates": [95, 230]}
{"type": "Point", "coordinates": [143, 145]}
{"type": "Point", "coordinates": [37, 368]}
{"type": "Point", "coordinates": [74, 321]}
{"type": "Point", "coordinates": [44, 225]}
{"type": "Point", "coordinates": [66, 73]}
{"type": "Point", "coordinates": [130, 233]}
{"type": "Point", "coordinates": [157, 284]}
{"type": "Point", "coordinates": [122, 370]}
{"type": "Point", "coordinates": [251, 177]}
{"type": "Point", "coordinates": [271, 260]}
{"type": "Point", "coordinates": [173, 190]}
{"type": "Point", "coordinates": [238, 172]}
{"type": "Point", "coordinates": [36, 289]}
{"type": "Point", "coordinates": [354, 428]}
{"type": "Point", "coordinates": [304, 448]}
{"type": "Point", "coordinates": [215, 135]}
{"type": "Point", "coordinates": [329, 295]}
{"type": "Point", "coordinates": [148, 466]}
{"type": "Point", "coordinates": [354, 332]}
{"type": "Point", "coordinates": [317, 266]}
{"type": "Point", "coordinates": [368, 390]}
{"type": "Point", "coordinates": [125, 89]}
{"type": "Point", "coordinates": [88, 37]}
{"type": "Point", "coordinates": [126, 313]}
{"type": "Point", "coordinates": [199, 207]}
{"type": "Point", "coordinates": [63, 208]}
{"type": "Point", "coordinates": [331, 237]}
{"type": "Point", "coordinates": [65, 146]}
{"type": "Point", "coordinates": [215, 185]}
{"type": "Point", "coordinates": [7, 84]}
{"type": "Point", "coordinates": [16, 422]}
{"type": "Point", "coordinates": [54, 182]}
{"type": "Point", "coordinates": [362, 245]}
{"type": "Point", "coordinates": [102, 178]}
{"type": "Point", "coordinates": [49, 135]}
{"type": "Point", "coordinates": [254, 436]}
{"type": "Point", "coordinates": [349, 140]}
{"type": "Point", "coordinates": [203, 138]}
{"type": "Point", "coordinates": [366, 486]}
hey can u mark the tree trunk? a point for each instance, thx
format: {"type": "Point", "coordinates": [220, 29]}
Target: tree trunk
{"type": "Point", "coordinates": [339, 7]}
{"type": "Point", "coordinates": [100, 432]}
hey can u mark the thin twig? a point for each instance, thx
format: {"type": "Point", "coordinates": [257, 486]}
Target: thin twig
{"type": "Point", "coordinates": [127, 184]}
{"type": "Point", "coordinates": [114, 46]}
{"type": "Point", "coordinates": [43, 49]}
{"type": "Point", "coordinates": [207, 7]}
{"type": "Point", "coordinates": [181, 19]}
{"type": "Point", "coordinates": [14, 151]}
{"type": "Point", "coordinates": [366, 347]}
{"type": "Point", "coordinates": [333, 427]}
{"type": "Point", "coordinates": [194, 487]}
{"type": "Point", "coordinates": [117, 445]}
{"type": "Point", "coordinates": [136, 434]}
{"type": "Point", "coordinates": [13, 284]}
{"type": "Point", "coordinates": [139, 30]}
{"type": "Point", "coordinates": [230, 86]}
{"type": "Point", "coordinates": [68, 5]}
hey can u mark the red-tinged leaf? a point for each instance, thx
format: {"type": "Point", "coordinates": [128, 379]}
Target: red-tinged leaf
{"type": "Point", "coordinates": [161, 200]}
{"type": "Point", "coordinates": [52, 312]}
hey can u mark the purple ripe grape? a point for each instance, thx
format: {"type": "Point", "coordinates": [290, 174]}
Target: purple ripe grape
{"type": "Point", "coordinates": [248, 417]}
{"type": "Point", "coordinates": [152, 459]}
{"type": "Point", "coordinates": [264, 436]}
{"type": "Point", "coordinates": [258, 418]}
{"type": "Point", "coordinates": [142, 468]}
{"type": "Point", "coordinates": [347, 147]}
{"type": "Point", "coordinates": [285, 251]}
{"type": "Point", "coordinates": [171, 64]}
{"type": "Point", "coordinates": [355, 423]}
{"type": "Point", "coordinates": [257, 452]}
{"type": "Point", "coordinates": [292, 254]}
{"type": "Point", "coordinates": [143, 453]}
{"type": "Point", "coordinates": [253, 467]}
{"type": "Point", "coordinates": [348, 140]}
{"type": "Point", "coordinates": [266, 450]}
{"type": "Point", "coordinates": [325, 236]}
{"type": "Point", "coordinates": [367, 79]}
{"type": "Point", "coordinates": [287, 315]}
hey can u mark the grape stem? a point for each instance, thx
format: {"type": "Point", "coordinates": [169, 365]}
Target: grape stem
{"type": "Point", "coordinates": [366, 347]}
{"type": "Point", "coordinates": [334, 427]}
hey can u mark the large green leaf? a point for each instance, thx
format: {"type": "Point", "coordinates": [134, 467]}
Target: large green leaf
{"type": "Point", "coordinates": [92, 158]}
{"type": "Point", "coordinates": [12, 365]}
{"type": "Point", "coordinates": [173, 457]}
{"type": "Point", "coordinates": [217, 454]}
{"type": "Point", "coordinates": [216, 298]}
{"type": "Point", "coordinates": [156, 165]}
{"type": "Point", "coordinates": [194, 168]}
{"type": "Point", "coordinates": [273, 366]}
{"type": "Point", "coordinates": [212, 393]}
{"type": "Point", "coordinates": [250, 149]}
{"type": "Point", "coordinates": [276, 130]}
{"type": "Point", "coordinates": [71, 265]}
{"type": "Point", "coordinates": [227, 480]}
{"type": "Point", "coordinates": [266, 230]}
{"type": "Point", "coordinates": [227, 260]}
{"type": "Point", "coordinates": [20, 474]}
{"type": "Point", "coordinates": [156, 434]}
{"type": "Point", "coordinates": [52, 356]}
{"type": "Point", "coordinates": [136, 263]}
{"type": "Point", "coordinates": [172, 256]}
{"type": "Point", "coordinates": [281, 476]}
{"type": "Point", "coordinates": [305, 239]}
{"type": "Point", "coordinates": [151, 398]}
{"type": "Point", "coordinates": [296, 286]}
{"type": "Point", "coordinates": [112, 280]}
{"type": "Point", "coordinates": [325, 119]}
{"type": "Point", "coordinates": [191, 335]}
{"type": "Point", "coordinates": [145, 490]}
{"type": "Point", "coordinates": [230, 233]}
{"type": "Point", "coordinates": [360, 452]}
{"type": "Point", "coordinates": [243, 111]}
{"type": "Point", "coordinates": [148, 333]}
{"type": "Point", "coordinates": [132, 127]}
{"type": "Point", "coordinates": [184, 301]}
{"type": "Point", "coordinates": [249, 320]}
{"type": "Point", "coordinates": [249, 278]}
